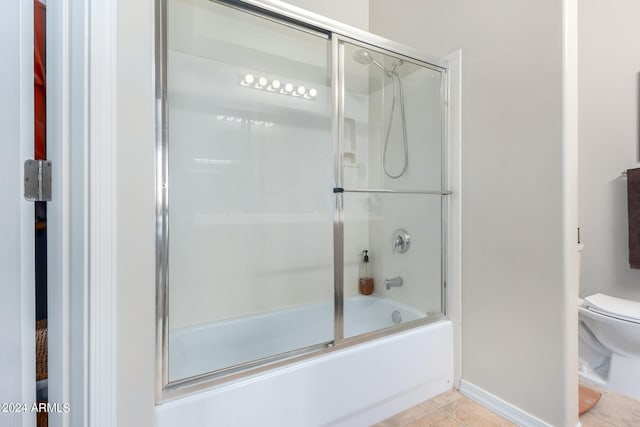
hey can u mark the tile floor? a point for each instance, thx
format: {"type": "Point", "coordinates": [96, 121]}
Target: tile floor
{"type": "Point", "coordinates": [452, 409]}
{"type": "Point", "coordinates": [612, 410]}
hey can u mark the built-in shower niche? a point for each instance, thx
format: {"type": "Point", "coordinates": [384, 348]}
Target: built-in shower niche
{"type": "Point", "coordinates": [400, 104]}
{"type": "Point", "coordinates": [350, 146]}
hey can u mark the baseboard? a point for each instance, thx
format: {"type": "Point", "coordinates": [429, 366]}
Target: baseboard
{"type": "Point", "coordinates": [501, 407]}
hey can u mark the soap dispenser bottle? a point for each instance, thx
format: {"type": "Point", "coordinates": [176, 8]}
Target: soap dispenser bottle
{"type": "Point", "coordinates": [365, 284]}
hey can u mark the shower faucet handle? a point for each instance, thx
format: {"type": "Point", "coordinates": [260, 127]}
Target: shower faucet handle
{"type": "Point", "coordinates": [397, 243]}
{"type": "Point", "coordinates": [400, 241]}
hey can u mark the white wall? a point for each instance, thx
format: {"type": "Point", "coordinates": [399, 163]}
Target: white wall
{"type": "Point", "coordinates": [513, 291]}
{"type": "Point", "coordinates": [135, 222]}
{"type": "Point", "coordinates": [609, 89]}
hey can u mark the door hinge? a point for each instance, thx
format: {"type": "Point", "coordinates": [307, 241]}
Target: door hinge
{"type": "Point", "coordinates": [37, 180]}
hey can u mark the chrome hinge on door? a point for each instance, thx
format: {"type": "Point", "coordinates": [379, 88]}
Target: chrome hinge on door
{"type": "Point", "coordinates": [37, 180]}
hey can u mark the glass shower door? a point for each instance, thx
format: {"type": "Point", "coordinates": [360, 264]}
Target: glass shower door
{"type": "Point", "coordinates": [391, 146]}
{"type": "Point", "coordinates": [249, 177]}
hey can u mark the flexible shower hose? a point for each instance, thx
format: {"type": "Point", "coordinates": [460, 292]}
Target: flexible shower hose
{"type": "Point", "coordinates": [395, 78]}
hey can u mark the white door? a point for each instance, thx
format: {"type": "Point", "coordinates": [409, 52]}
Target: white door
{"type": "Point", "coordinates": [17, 283]}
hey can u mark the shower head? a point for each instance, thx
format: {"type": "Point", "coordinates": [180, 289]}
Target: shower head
{"type": "Point", "coordinates": [363, 57]}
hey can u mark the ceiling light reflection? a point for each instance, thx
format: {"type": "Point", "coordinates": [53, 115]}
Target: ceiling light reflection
{"type": "Point", "coordinates": [277, 86]}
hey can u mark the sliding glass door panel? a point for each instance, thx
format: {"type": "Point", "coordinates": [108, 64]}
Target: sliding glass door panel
{"type": "Point", "coordinates": [249, 176]}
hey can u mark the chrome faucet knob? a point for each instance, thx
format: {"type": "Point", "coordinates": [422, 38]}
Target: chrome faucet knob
{"type": "Point", "coordinates": [400, 241]}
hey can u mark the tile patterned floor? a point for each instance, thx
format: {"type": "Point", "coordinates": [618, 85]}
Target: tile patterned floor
{"type": "Point", "coordinates": [612, 410]}
{"type": "Point", "coordinates": [452, 409]}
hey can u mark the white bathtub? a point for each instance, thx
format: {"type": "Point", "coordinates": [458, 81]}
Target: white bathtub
{"type": "Point", "coordinates": [353, 386]}
{"type": "Point", "coordinates": [216, 345]}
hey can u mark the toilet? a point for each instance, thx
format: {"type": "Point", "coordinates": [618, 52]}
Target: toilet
{"type": "Point", "coordinates": [609, 341]}
{"type": "Point", "coordinates": [609, 337]}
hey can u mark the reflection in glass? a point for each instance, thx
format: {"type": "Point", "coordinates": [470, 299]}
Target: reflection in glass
{"type": "Point", "coordinates": [250, 170]}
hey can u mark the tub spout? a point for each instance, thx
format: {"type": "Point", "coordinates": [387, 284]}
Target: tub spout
{"type": "Point", "coordinates": [394, 282]}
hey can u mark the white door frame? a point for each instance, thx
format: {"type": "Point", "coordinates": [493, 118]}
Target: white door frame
{"type": "Point", "coordinates": [81, 76]}
{"type": "Point", "coordinates": [102, 278]}
{"type": "Point", "coordinates": [17, 253]}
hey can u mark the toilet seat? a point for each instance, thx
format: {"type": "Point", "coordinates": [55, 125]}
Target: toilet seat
{"type": "Point", "coordinates": [618, 308]}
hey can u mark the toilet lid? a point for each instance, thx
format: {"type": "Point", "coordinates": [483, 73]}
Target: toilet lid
{"type": "Point", "coordinates": [615, 307]}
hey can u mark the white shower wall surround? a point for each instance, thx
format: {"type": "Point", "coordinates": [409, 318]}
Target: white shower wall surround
{"type": "Point", "coordinates": [268, 200]}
